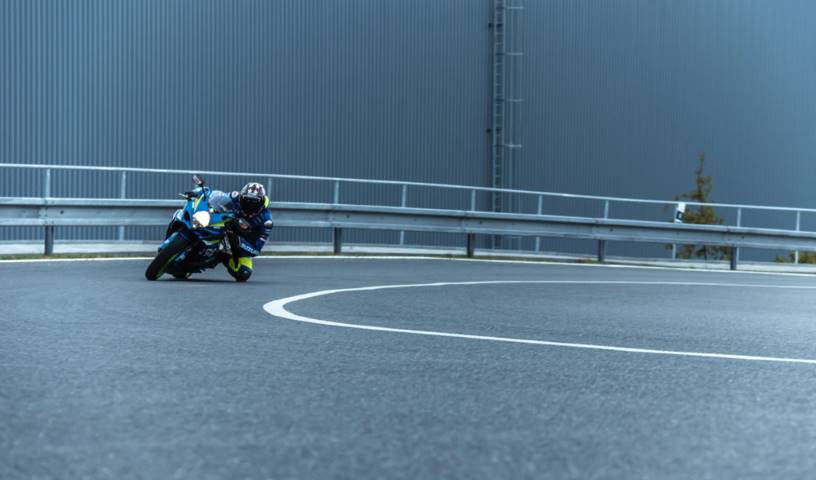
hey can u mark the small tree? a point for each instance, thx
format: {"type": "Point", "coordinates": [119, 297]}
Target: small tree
{"type": "Point", "coordinates": [703, 215]}
{"type": "Point", "coordinates": [804, 257]}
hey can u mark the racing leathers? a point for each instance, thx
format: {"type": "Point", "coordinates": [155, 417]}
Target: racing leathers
{"type": "Point", "coordinates": [248, 236]}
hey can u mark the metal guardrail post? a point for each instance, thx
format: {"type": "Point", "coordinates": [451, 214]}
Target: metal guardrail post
{"type": "Point", "coordinates": [540, 209]}
{"type": "Point", "coordinates": [47, 183]}
{"type": "Point", "coordinates": [471, 244]}
{"type": "Point", "coordinates": [403, 204]}
{"type": "Point", "coordinates": [674, 247]}
{"type": "Point", "coordinates": [735, 252]}
{"type": "Point", "coordinates": [49, 240]}
{"type": "Point", "coordinates": [122, 191]}
{"type": "Point", "coordinates": [338, 240]}
{"type": "Point", "coordinates": [602, 243]}
{"type": "Point", "coordinates": [471, 237]}
{"type": "Point", "coordinates": [337, 235]}
{"type": "Point", "coordinates": [798, 226]}
{"type": "Point", "coordinates": [48, 231]}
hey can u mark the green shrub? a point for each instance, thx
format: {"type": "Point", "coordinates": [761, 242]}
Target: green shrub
{"type": "Point", "coordinates": [701, 215]}
{"type": "Point", "coordinates": [804, 257]}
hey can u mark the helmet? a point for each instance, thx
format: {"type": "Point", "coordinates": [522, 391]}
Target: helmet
{"type": "Point", "coordinates": [252, 199]}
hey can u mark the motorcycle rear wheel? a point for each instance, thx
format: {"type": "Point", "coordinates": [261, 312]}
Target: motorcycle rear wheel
{"type": "Point", "coordinates": [165, 256]}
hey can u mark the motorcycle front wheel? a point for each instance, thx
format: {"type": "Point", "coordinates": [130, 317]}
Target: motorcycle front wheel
{"type": "Point", "coordinates": [163, 259]}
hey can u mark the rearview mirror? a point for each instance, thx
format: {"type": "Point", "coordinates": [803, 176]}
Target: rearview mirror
{"type": "Point", "coordinates": [198, 180]}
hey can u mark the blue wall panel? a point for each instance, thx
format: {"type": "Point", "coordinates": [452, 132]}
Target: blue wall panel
{"type": "Point", "coordinates": [619, 98]}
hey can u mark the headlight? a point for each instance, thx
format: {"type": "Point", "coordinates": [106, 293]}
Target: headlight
{"type": "Point", "coordinates": [201, 219]}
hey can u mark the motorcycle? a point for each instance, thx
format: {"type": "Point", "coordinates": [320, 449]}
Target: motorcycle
{"type": "Point", "coordinates": [198, 238]}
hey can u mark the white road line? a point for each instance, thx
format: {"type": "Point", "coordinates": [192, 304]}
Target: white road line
{"type": "Point", "coordinates": [278, 309]}
{"type": "Point", "coordinates": [444, 259]}
{"type": "Point", "coordinates": [81, 259]}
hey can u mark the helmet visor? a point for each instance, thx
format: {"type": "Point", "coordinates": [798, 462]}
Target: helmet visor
{"type": "Point", "coordinates": [251, 206]}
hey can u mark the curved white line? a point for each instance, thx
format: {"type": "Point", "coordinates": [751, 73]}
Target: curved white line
{"type": "Point", "coordinates": [278, 309]}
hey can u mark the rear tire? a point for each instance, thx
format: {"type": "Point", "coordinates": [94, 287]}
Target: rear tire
{"type": "Point", "coordinates": [165, 256]}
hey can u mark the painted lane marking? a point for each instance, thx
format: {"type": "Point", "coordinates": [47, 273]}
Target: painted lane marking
{"type": "Point", "coordinates": [278, 308]}
{"type": "Point", "coordinates": [543, 262]}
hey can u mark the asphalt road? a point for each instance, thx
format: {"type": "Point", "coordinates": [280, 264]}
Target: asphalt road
{"type": "Point", "coordinates": [106, 375]}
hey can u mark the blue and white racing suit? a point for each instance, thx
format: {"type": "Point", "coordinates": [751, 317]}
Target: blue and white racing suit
{"type": "Point", "coordinates": [251, 240]}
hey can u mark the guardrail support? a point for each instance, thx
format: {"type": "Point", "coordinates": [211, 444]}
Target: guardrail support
{"type": "Point", "coordinates": [49, 240]}
{"type": "Point", "coordinates": [338, 241]}
{"type": "Point", "coordinates": [735, 251]}
{"type": "Point", "coordinates": [540, 209]}
{"type": "Point", "coordinates": [403, 204]}
{"type": "Point", "coordinates": [122, 190]}
{"type": "Point", "coordinates": [47, 183]}
{"type": "Point", "coordinates": [471, 244]}
{"type": "Point", "coordinates": [798, 226]}
{"type": "Point", "coordinates": [48, 231]}
{"type": "Point", "coordinates": [602, 243]}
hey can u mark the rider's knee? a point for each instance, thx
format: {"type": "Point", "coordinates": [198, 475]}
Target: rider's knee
{"type": "Point", "coordinates": [241, 270]}
{"type": "Point", "coordinates": [242, 275]}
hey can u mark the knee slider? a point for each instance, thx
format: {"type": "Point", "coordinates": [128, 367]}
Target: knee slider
{"type": "Point", "coordinates": [242, 275]}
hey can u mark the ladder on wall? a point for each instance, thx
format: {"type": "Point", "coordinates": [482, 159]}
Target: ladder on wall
{"type": "Point", "coordinates": [506, 100]}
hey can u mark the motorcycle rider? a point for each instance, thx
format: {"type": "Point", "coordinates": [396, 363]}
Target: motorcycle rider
{"type": "Point", "coordinates": [251, 227]}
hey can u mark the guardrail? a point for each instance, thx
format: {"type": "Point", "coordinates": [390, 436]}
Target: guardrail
{"type": "Point", "coordinates": [51, 212]}
{"type": "Point", "coordinates": [605, 203]}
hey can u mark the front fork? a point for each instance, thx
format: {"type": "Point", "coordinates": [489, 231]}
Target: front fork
{"type": "Point", "coordinates": [171, 229]}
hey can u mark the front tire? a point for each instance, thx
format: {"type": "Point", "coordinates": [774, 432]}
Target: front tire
{"type": "Point", "coordinates": [165, 256]}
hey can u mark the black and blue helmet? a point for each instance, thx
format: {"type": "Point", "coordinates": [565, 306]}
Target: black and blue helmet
{"type": "Point", "coordinates": [252, 199]}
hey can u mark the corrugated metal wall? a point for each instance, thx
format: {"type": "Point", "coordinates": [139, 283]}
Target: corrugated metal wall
{"type": "Point", "coordinates": [619, 97]}
{"type": "Point", "coordinates": [357, 88]}
{"type": "Point", "coordinates": [622, 95]}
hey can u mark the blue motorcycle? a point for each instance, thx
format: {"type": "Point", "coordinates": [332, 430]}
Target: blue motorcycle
{"type": "Point", "coordinates": [196, 239]}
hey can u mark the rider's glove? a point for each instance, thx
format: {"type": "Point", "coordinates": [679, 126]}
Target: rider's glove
{"type": "Point", "coordinates": [243, 225]}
